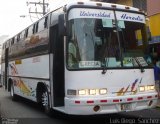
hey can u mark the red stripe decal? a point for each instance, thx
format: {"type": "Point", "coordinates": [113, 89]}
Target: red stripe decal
{"type": "Point", "coordinates": [90, 101]}
{"type": "Point", "coordinates": [140, 98]}
{"type": "Point", "coordinates": [129, 99]}
{"type": "Point", "coordinates": [103, 101]}
{"type": "Point", "coordinates": [116, 100]}
{"type": "Point", "coordinates": [77, 102]}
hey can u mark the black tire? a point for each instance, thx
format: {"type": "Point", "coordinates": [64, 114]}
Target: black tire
{"type": "Point", "coordinates": [46, 103]}
{"type": "Point", "coordinates": [13, 95]}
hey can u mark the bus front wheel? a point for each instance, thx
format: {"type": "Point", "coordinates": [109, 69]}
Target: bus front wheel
{"type": "Point", "coordinates": [46, 103]}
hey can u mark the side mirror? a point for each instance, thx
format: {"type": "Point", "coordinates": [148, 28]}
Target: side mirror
{"type": "Point", "coordinates": [61, 26]}
{"type": "Point", "coordinates": [149, 35]}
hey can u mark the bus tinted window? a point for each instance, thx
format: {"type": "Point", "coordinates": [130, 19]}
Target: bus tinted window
{"type": "Point", "coordinates": [30, 31]}
{"type": "Point", "coordinates": [41, 25]}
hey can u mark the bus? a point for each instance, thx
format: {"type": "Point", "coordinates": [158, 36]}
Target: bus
{"type": "Point", "coordinates": [84, 58]}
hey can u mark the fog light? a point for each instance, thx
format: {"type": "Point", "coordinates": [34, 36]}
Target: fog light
{"type": "Point", "coordinates": [96, 108]}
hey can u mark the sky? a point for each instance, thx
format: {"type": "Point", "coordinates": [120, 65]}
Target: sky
{"type": "Point", "coordinates": [10, 11]}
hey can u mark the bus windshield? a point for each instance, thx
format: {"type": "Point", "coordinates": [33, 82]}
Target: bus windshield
{"type": "Point", "coordinates": [106, 43]}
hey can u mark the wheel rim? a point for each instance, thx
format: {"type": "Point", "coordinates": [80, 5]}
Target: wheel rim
{"type": "Point", "coordinates": [45, 99]}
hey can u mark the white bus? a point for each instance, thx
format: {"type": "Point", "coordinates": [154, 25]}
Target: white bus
{"type": "Point", "coordinates": [84, 58]}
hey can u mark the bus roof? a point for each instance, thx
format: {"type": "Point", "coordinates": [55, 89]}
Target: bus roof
{"type": "Point", "coordinates": [102, 4]}
{"type": "Point", "coordinates": [68, 5]}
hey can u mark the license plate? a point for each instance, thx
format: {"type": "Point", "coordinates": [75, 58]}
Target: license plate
{"type": "Point", "coordinates": [125, 107]}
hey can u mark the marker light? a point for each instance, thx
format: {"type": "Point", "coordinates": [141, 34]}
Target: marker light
{"type": "Point", "coordinates": [98, 4]}
{"type": "Point", "coordinates": [80, 2]}
{"type": "Point", "coordinates": [127, 7]}
{"type": "Point", "coordinates": [151, 87]}
{"type": "Point", "coordinates": [114, 6]}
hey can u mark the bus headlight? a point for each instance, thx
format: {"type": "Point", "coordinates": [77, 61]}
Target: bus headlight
{"type": "Point", "coordinates": [82, 92]}
{"type": "Point", "coordinates": [103, 91]}
{"type": "Point", "coordinates": [92, 92]}
{"type": "Point", "coordinates": [146, 88]}
{"type": "Point", "coordinates": [85, 92]}
{"type": "Point", "coordinates": [141, 88]}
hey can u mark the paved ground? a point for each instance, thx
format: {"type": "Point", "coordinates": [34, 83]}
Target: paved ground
{"type": "Point", "coordinates": [14, 109]}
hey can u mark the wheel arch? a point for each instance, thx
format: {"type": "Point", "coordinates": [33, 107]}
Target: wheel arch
{"type": "Point", "coordinates": [41, 87]}
{"type": "Point", "coordinates": [10, 81]}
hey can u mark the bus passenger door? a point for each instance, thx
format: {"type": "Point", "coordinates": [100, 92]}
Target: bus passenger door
{"type": "Point", "coordinates": [56, 47]}
{"type": "Point", "coordinates": [6, 69]}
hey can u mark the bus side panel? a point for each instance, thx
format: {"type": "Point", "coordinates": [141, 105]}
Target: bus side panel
{"type": "Point", "coordinates": [2, 73]}
{"type": "Point", "coordinates": [26, 87]}
{"type": "Point", "coordinates": [26, 73]}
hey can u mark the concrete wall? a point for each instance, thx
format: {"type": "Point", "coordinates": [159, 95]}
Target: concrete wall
{"type": "Point", "coordinates": [154, 24]}
{"type": "Point", "coordinates": [153, 7]}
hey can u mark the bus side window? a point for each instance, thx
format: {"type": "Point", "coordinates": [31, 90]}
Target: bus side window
{"type": "Point", "coordinates": [36, 30]}
{"type": "Point", "coordinates": [22, 35]}
{"type": "Point", "coordinates": [3, 47]}
{"type": "Point", "coordinates": [18, 37]}
{"type": "Point", "coordinates": [33, 30]}
{"type": "Point", "coordinates": [12, 42]}
{"type": "Point", "coordinates": [46, 22]}
{"type": "Point", "coordinates": [26, 33]}
{"type": "Point", "coordinates": [30, 31]}
{"type": "Point", "coordinates": [41, 25]}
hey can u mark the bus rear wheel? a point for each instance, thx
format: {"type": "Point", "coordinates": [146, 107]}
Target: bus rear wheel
{"type": "Point", "coordinates": [13, 95]}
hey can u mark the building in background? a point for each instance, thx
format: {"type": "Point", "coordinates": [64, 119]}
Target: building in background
{"type": "Point", "coordinates": [141, 4]}
{"type": "Point", "coordinates": [2, 39]}
{"type": "Point", "coordinates": [153, 11]}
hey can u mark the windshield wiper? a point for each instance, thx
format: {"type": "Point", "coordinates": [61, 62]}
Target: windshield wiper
{"type": "Point", "coordinates": [104, 66]}
{"type": "Point", "coordinates": [140, 65]}
{"type": "Point", "coordinates": [106, 61]}
{"type": "Point", "coordinates": [106, 50]}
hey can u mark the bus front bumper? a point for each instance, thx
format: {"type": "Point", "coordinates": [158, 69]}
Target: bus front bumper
{"type": "Point", "coordinates": [106, 105]}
